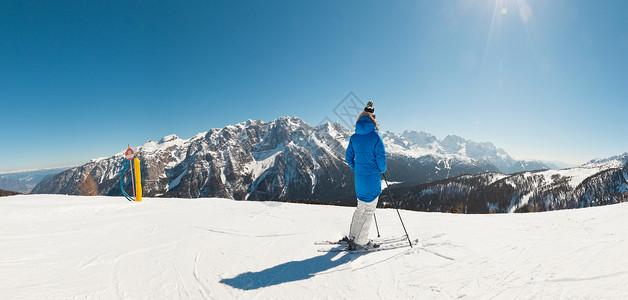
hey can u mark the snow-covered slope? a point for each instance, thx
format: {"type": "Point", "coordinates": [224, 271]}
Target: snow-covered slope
{"type": "Point", "coordinates": [71, 247]}
{"type": "Point", "coordinates": [599, 182]}
{"type": "Point", "coordinates": [612, 162]}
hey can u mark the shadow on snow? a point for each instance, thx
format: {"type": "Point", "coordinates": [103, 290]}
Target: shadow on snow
{"type": "Point", "coordinates": [288, 272]}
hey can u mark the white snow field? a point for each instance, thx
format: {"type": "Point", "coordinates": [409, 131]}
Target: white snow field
{"type": "Point", "coordinates": [69, 247]}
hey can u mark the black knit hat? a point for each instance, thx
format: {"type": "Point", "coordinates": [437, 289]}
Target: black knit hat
{"type": "Point", "coordinates": [369, 107]}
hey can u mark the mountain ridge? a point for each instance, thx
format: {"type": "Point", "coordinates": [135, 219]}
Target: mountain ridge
{"type": "Point", "coordinates": [284, 159]}
{"type": "Point", "coordinates": [23, 181]}
{"type": "Point", "coordinates": [599, 182]}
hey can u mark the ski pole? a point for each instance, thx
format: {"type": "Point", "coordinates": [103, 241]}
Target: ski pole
{"type": "Point", "coordinates": [395, 205]}
{"type": "Point", "coordinates": [377, 227]}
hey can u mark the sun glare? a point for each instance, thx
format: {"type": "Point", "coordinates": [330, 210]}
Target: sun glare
{"type": "Point", "coordinates": [520, 9]}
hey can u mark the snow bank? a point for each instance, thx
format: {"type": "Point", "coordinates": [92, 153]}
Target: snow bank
{"type": "Point", "coordinates": [68, 247]}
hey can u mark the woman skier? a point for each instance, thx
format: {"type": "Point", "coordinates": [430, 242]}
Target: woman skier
{"type": "Point", "coordinates": [367, 158]}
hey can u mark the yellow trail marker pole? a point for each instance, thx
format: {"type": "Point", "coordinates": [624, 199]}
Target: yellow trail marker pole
{"type": "Point", "coordinates": [138, 179]}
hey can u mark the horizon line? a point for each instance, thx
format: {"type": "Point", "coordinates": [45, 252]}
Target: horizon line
{"type": "Point", "coordinates": [35, 169]}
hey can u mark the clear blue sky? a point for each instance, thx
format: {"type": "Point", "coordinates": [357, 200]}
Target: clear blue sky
{"type": "Point", "coordinates": [82, 79]}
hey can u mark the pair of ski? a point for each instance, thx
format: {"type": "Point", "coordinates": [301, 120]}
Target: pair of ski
{"type": "Point", "coordinates": [384, 244]}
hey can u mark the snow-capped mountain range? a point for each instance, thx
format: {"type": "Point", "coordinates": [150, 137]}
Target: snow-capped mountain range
{"type": "Point", "coordinates": [285, 159]}
{"type": "Point", "coordinates": [454, 148]}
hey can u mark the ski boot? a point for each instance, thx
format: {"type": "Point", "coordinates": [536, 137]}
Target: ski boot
{"type": "Point", "coordinates": [368, 246]}
{"type": "Point", "coordinates": [345, 239]}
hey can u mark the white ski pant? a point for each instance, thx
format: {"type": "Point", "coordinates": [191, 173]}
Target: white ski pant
{"type": "Point", "coordinates": [361, 222]}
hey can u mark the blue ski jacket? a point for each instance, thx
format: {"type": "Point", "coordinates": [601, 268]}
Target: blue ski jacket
{"type": "Point", "coordinates": [367, 158]}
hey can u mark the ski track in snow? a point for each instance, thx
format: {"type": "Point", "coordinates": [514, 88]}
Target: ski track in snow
{"type": "Point", "coordinates": [69, 247]}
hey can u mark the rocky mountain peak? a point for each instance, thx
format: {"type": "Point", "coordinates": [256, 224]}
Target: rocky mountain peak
{"type": "Point", "coordinates": [420, 138]}
{"type": "Point", "coordinates": [168, 138]}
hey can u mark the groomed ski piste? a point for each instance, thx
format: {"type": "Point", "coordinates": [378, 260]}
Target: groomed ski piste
{"type": "Point", "coordinates": [71, 247]}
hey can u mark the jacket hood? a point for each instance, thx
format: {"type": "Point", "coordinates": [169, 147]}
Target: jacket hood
{"type": "Point", "coordinates": [364, 125]}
